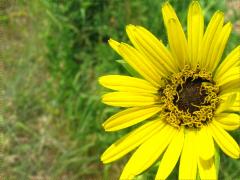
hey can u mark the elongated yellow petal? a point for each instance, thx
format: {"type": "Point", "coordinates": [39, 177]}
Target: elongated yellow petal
{"type": "Point", "coordinates": [135, 59]}
{"type": "Point", "coordinates": [205, 144]}
{"type": "Point", "coordinates": [228, 127]}
{"type": "Point", "coordinates": [176, 36]}
{"type": "Point", "coordinates": [213, 29]}
{"type": "Point", "coordinates": [225, 141]}
{"type": "Point", "coordinates": [140, 63]}
{"type": "Point", "coordinates": [148, 152]}
{"type": "Point", "coordinates": [230, 102]}
{"type": "Point", "coordinates": [231, 86]}
{"type": "Point", "coordinates": [114, 44]}
{"type": "Point", "coordinates": [188, 161]}
{"type": "Point", "coordinates": [171, 156]}
{"type": "Point", "coordinates": [219, 43]}
{"type": "Point", "coordinates": [127, 84]}
{"type": "Point", "coordinates": [232, 74]}
{"type": "Point", "coordinates": [232, 60]}
{"type": "Point", "coordinates": [127, 99]}
{"type": "Point", "coordinates": [130, 117]}
{"type": "Point", "coordinates": [228, 121]}
{"type": "Point", "coordinates": [152, 48]}
{"type": "Point", "coordinates": [207, 169]}
{"type": "Point", "coordinates": [195, 31]}
{"type": "Point", "coordinates": [131, 141]}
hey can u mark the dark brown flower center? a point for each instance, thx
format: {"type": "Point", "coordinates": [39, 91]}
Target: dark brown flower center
{"type": "Point", "coordinates": [191, 95]}
{"type": "Point", "coordinates": [189, 98]}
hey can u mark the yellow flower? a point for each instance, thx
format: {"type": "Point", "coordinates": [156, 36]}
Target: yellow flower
{"type": "Point", "coordinates": [187, 97]}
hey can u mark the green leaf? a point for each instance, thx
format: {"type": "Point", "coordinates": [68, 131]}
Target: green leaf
{"type": "Point", "coordinates": [129, 69]}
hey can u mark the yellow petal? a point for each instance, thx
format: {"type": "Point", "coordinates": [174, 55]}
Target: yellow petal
{"type": "Point", "coordinates": [152, 48]}
{"type": "Point", "coordinates": [227, 127]}
{"type": "Point", "coordinates": [130, 117]}
{"type": "Point", "coordinates": [232, 60]}
{"type": "Point", "coordinates": [228, 121]}
{"type": "Point", "coordinates": [195, 31]}
{"type": "Point", "coordinates": [139, 62]}
{"type": "Point", "coordinates": [176, 36]}
{"type": "Point", "coordinates": [171, 156]}
{"type": "Point", "coordinates": [127, 99]}
{"type": "Point", "coordinates": [232, 74]}
{"type": "Point", "coordinates": [213, 29]}
{"type": "Point", "coordinates": [131, 141]}
{"type": "Point", "coordinates": [230, 102]}
{"type": "Point", "coordinates": [218, 46]}
{"type": "Point", "coordinates": [127, 84]}
{"type": "Point", "coordinates": [148, 152]}
{"type": "Point", "coordinates": [188, 161]}
{"type": "Point", "coordinates": [205, 140]}
{"type": "Point", "coordinates": [114, 44]}
{"type": "Point", "coordinates": [207, 169]}
{"type": "Point", "coordinates": [224, 140]}
{"type": "Point", "coordinates": [231, 86]}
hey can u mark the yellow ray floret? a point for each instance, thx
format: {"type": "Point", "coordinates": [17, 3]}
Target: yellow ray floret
{"type": "Point", "coordinates": [232, 60]}
{"type": "Point", "coordinates": [152, 48]}
{"type": "Point", "coordinates": [213, 29]}
{"type": "Point", "coordinates": [230, 102]}
{"type": "Point", "coordinates": [176, 36]}
{"type": "Point", "coordinates": [148, 153]}
{"type": "Point", "coordinates": [204, 139]}
{"type": "Point", "coordinates": [195, 30]}
{"type": "Point", "coordinates": [127, 99]}
{"type": "Point", "coordinates": [228, 121]}
{"type": "Point", "coordinates": [231, 86]}
{"type": "Point", "coordinates": [135, 59]}
{"type": "Point", "coordinates": [218, 46]}
{"type": "Point", "coordinates": [127, 84]}
{"type": "Point", "coordinates": [207, 168]}
{"type": "Point", "coordinates": [171, 155]}
{"type": "Point", "coordinates": [225, 141]}
{"type": "Point", "coordinates": [130, 117]}
{"type": "Point", "coordinates": [132, 140]}
{"type": "Point", "coordinates": [188, 161]}
{"type": "Point", "coordinates": [231, 74]}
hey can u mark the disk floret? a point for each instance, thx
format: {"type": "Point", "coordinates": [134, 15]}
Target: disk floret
{"type": "Point", "coordinates": [190, 98]}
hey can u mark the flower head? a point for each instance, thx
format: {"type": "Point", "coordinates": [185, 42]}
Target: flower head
{"type": "Point", "coordinates": [187, 97]}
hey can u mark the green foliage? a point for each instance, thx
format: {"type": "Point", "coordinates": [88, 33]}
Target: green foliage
{"type": "Point", "coordinates": [58, 49]}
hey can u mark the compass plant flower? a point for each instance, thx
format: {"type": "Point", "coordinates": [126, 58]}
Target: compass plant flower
{"type": "Point", "coordinates": [185, 100]}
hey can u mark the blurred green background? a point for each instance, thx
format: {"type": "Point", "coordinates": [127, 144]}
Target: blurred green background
{"type": "Point", "coordinates": [52, 52]}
